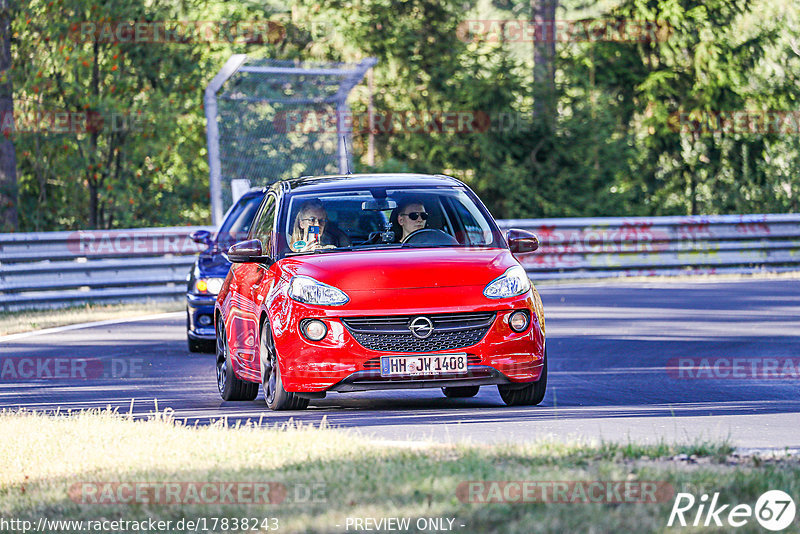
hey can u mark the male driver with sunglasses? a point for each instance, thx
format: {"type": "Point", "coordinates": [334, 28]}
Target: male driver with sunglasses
{"type": "Point", "coordinates": [408, 217]}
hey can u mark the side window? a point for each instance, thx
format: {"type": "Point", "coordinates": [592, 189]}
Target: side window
{"type": "Point", "coordinates": [264, 225]}
{"type": "Point", "coordinates": [474, 233]}
{"type": "Point", "coordinates": [236, 226]}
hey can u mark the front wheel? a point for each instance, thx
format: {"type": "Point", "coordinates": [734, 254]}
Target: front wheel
{"type": "Point", "coordinates": [231, 388]}
{"type": "Point", "coordinates": [200, 345]}
{"type": "Point", "coordinates": [530, 395]}
{"type": "Point", "coordinates": [197, 345]}
{"type": "Point", "coordinates": [276, 397]}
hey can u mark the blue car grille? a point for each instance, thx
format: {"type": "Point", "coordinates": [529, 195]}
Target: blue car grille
{"type": "Point", "coordinates": [391, 333]}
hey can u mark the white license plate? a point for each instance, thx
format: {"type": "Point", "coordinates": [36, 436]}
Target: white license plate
{"type": "Point", "coordinates": [424, 365]}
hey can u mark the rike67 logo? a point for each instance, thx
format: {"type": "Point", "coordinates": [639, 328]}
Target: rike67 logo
{"type": "Point", "coordinates": [774, 510]}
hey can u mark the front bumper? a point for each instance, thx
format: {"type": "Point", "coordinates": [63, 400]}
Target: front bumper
{"type": "Point", "coordinates": [339, 363]}
{"type": "Point", "coordinates": [477, 375]}
{"type": "Point", "coordinates": [198, 306]}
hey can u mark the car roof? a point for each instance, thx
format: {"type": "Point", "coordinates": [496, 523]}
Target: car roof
{"type": "Point", "coordinates": [317, 184]}
{"type": "Point", "coordinates": [254, 192]}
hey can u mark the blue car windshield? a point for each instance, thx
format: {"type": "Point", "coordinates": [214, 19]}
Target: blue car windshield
{"type": "Point", "coordinates": [386, 218]}
{"type": "Point", "coordinates": [238, 220]}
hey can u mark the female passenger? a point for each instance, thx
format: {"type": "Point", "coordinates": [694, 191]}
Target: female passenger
{"type": "Point", "coordinates": [309, 229]}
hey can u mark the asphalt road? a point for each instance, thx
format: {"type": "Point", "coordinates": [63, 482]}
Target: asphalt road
{"type": "Point", "coordinates": [673, 361]}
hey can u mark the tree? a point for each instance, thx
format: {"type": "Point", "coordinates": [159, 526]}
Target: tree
{"type": "Point", "coordinates": [8, 160]}
{"type": "Point", "coordinates": [418, 77]}
{"type": "Point", "coordinates": [131, 150]}
{"type": "Point", "coordinates": [687, 85]}
{"type": "Point", "coordinates": [544, 57]}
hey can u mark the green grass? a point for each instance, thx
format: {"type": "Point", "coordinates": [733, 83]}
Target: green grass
{"type": "Point", "coordinates": [27, 320]}
{"type": "Point", "coordinates": [42, 456]}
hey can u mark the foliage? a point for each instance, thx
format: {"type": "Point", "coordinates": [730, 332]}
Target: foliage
{"type": "Point", "coordinates": [675, 100]}
{"type": "Point", "coordinates": [626, 141]}
{"type": "Point", "coordinates": [132, 149]}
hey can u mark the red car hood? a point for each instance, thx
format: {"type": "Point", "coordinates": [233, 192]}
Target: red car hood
{"type": "Point", "coordinates": [402, 269]}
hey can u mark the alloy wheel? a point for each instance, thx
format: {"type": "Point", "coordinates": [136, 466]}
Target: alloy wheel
{"type": "Point", "coordinates": [222, 356]}
{"type": "Point", "coordinates": [269, 365]}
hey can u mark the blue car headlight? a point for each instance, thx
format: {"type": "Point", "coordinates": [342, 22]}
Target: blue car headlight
{"type": "Point", "coordinates": [208, 286]}
{"type": "Point", "coordinates": [513, 282]}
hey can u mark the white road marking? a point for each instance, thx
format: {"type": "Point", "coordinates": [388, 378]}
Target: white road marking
{"type": "Point", "coordinates": [58, 329]}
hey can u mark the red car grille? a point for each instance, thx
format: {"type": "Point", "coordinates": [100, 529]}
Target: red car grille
{"type": "Point", "coordinates": [391, 333]}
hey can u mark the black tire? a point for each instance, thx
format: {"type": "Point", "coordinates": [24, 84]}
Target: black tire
{"type": "Point", "coordinates": [275, 396]}
{"type": "Point", "coordinates": [198, 345]}
{"type": "Point", "coordinates": [201, 345]}
{"type": "Point", "coordinates": [456, 392]}
{"type": "Point", "coordinates": [230, 387]}
{"type": "Point", "coordinates": [530, 395]}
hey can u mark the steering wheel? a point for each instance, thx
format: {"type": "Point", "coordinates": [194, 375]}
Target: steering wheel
{"type": "Point", "coordinates": [429, 236]}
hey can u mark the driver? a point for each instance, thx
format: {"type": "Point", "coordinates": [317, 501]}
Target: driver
{"type": "Point", "coordinates": [408, 217]}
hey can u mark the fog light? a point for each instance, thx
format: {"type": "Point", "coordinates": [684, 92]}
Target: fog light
{"type": "Point", "coordinates": [518, 321]}
{"type": "Point", "coordinates": [313, 329]}
{"type": "Point", "coordinates": [204, 320]}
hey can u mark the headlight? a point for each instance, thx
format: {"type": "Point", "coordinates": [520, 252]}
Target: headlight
{"type": "Point", "coordinates": [514, 282]}
{"type": "Point", "coordinates": [309, 291]}
{"type": "Point", "coordinates": [209, 286]}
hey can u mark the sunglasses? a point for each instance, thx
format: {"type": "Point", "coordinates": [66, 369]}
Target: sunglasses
{"type": "Point", "coordinates": [414, 215]}
{"type": "Point", "coordinates": [315, 220]}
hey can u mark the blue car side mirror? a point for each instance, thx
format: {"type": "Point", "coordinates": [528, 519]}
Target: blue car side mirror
{"type": "Point", "coordinates": [201, 236]}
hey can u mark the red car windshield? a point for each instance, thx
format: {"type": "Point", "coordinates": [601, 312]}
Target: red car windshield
{"type": "Point", "coordinates": [386, 218]}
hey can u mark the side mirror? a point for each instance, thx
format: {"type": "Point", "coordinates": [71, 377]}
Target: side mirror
{"type": "Point", "coordinates": [521, 241]}
{"type": "Point", "coordinates": [201, 236]}
{"type": "Point", "coordinates": [247, 252]}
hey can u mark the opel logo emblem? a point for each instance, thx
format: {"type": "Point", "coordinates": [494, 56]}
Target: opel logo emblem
{"type": "Point", "coordinates": [421, 327]}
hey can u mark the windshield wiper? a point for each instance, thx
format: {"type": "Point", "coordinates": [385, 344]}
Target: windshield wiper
{"type": "Point", "coordinates": [335, 249]}
{"type": "Point", "coordinates": [431, 245]}
{"type": "Point", "coordinates": [381, 246]}
{"type": "Point", "coordinates": [319, 251]}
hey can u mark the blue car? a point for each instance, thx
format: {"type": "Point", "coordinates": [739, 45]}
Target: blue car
{"type": "Point", "coordinates": [210, 269]}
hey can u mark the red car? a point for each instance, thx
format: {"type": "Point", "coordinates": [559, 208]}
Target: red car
{"type": "Point", "coordinates": [367, 282]}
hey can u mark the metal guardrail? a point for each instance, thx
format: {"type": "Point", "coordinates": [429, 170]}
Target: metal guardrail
{"type": "Point", "coordinates": [661, 246]}
{"type": "Point", "coordinates": [57, 268]}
